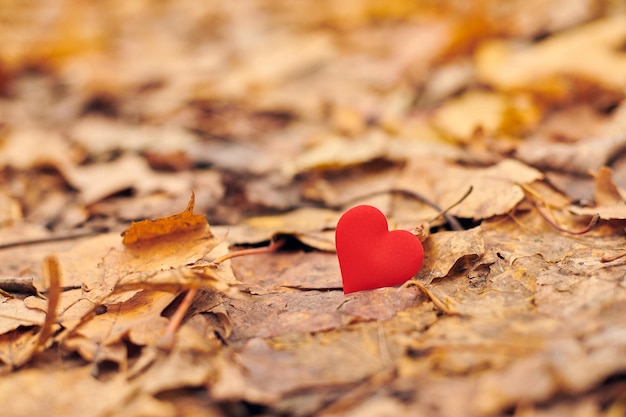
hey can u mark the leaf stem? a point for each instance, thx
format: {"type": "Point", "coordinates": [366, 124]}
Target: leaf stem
{"type": "Point", "coordinates": [52, 273]}
{"type": "Point", "coordinates": [612, 258]}
{"type": "Point", "coordinates": [166, 342]}
{"type": "Point", "coordinates": [451, 220]}
{"type": "Point", "coordinates": [595, 220]}
{"type": "Point", "coordinates": [273, 247]}
{"type": "Point", "coordinates": [436, 301]}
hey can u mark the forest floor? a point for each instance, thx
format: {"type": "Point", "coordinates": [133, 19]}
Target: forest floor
{"type": "Point", "coordinates": [172, 173]}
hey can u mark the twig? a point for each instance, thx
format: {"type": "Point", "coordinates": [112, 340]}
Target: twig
{"type": "Point", "coordinates": [595, 220]}
{"type": "Point", "coordinates": [48, 239]}
{"type": "Point", "coordinates": [436, 301]}
{"type": "Point", "coordinates": [166, 342]}
{"type": "Point", "coordinates": [52, 271]}
{"type": "Point", "coordinates": [273, 247]}
{"type": "Point", "coordinates": [451, 220]}
{"type": "Point", "coordinates": [459, 201]}
{"type": "Point", "coordinates": [612, 258]}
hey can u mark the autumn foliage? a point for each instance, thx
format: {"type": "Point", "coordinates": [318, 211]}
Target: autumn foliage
{"type": "Point", "coordinates": [172, 174]}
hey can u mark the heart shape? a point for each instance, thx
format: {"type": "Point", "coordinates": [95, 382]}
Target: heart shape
{"type": "Point", "coordinates": [370, 256]}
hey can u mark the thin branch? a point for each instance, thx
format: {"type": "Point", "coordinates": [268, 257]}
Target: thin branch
{"type": "Point", "coordinates": [451, 220]}
{"type": "Point", "coordinates": [166, 342]}
{"type": "Point", "coordinates": [605, 259]}
{"type": "Point", "coordinates": [436, 301]}
{"type": "Point", "coordinates": [459, 201]}
{"type": "Point", "coordinates": [52, 271]}
{"type": "Point", "coordinates": [595, 220]}
{"type": "Point", "coordinates": [273, 247]}
{"type": "Point", "coordinates": [50, 239]}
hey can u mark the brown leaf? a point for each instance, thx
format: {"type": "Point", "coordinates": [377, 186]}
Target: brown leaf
{"type": "Point", "coordinates": [97, 181]}
{"type": "Point", "coordinates": [445, 249]}
{"type": "Point", "coordinates": [17, 347]}
{"type": "Point", "coordinates": [495, 189]}
{"type": "Point", "coordinates": [15, 313]}
{"type": "Point", "coordinates": [137, 320]}
{"type": "Point", "coordinates": [610, 203]}
{"type": "Point", "coordinates": [25, 393]}
{"type": "Point", "coordinates": [582, 158]}
{"type": "Point", "coordinates": [306, 224]}
{"type": "Point", "coordinates": [283, 114]}
{"type": "Point", "coordinates": [607, 193]}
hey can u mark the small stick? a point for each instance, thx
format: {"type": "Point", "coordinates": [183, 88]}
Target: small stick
{"type": "Point", "coordinates": [455, 223]}
{"type": "Point", "coordinates": [595, 220]}
{"type": "Point", "coordinates": [48, 239]}
{"type": "Point", "coordinates": [452, 221]}
{"type": "Point", "coordinates": [166, 342]}
{"type": "Point", "coordinates": [612, 258]}
{"type": "Point", "coordinates": [52, 271]}
{"type": "Point", "coordinates": [436, 301]}
{"type": "Point", "coordinates": [252, 251]}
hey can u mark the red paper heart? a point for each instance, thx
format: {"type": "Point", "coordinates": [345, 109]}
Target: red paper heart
{"type": "Point", "coordinates": [370, 256]}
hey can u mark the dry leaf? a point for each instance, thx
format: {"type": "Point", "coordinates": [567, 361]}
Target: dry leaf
{"type": "Point", "coordinates": [305, 224]}
{"type": "Point", "coordinates": [584, 157]}
{"type": "Point", "coordinates": [494, 189]}
{"type": "Point", "coordinates": [44, 148]}
{"type": "Point", "coordinates": [444, 250]}
{"type": "Point", "coordinates": [14, 314]}
{"type": "Point", "coordinates": [281, 115]}
{"type": "Point", "coordinates": [589, 52]}
{"type": "Point", "coordinates": [484, 113]}
{"type": "Point", "coordinates": [333, 152]}
{"type": "Point", "coordinates": [97, 181]}
{"type": "Point", "coordinates": [610, 202]}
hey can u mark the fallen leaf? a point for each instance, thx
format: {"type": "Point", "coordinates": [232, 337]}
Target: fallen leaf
{"type": "Point", "coordinates": [582, 158]}
{"type": "Point", "coordinates": [102, 136]}
{"type": "Point", "coordinates": [442, 251]}
{"type": "Point", "coordinates": [17, 347]}
{"type": "Point", "coordinates": [495, 189]}
{"type": "Point", "coordinates": [137, 320]}
{"type": "Point", "coordinates": [10, 210]}
{"type": "Point", "coordinates": [45, 149]}
{"type": "Point", "coordinates": [610, 202]}
{"type": "Point", "coordinates": [301, 223]}
{"type": "Point", "coordinates": [97, 181]}
{"type": "Point", "coordinates": [546, 66]}
{"type": "Point", "coordinates": [282, 115]}
{"type": "Point", "coordinates": [606, 192]}
{"type": "Point", "coordinates": [15, 314]}
{"type": "Point", "coordinates": [333, 152]}
{"type": "Point", "coordinates": [24, 395]}
{"type": "Point", "coordinates": [484, 113]}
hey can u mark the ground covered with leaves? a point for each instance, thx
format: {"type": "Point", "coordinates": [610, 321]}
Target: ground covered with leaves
{"type": "Point", "coordinates": [144, 143]}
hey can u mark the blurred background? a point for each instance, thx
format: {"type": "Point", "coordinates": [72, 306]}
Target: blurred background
{"type": "Point", "coordinates": [262, 106]}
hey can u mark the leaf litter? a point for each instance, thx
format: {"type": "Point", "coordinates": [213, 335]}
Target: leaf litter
{"type": "Point", "coordinates": [276, 118]}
